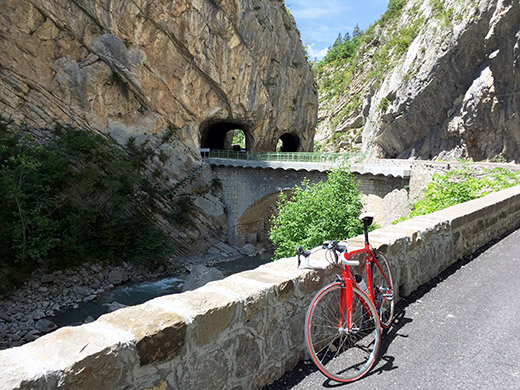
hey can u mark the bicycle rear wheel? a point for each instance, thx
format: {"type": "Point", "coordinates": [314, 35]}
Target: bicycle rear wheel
{"type": "Point", "coordinates": [340, 354]}
{"type": "Point", "coordinates": [383, 288]}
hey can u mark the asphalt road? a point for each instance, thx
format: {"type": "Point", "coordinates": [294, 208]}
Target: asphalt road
{"type": "Point", "coordinates": [461, 331]}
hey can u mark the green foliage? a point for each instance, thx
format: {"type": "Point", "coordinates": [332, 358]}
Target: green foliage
{"type": "Point", "coordinates": [393, 11]}
{"type": "Point", "coordinates": [439, 11]}
{"type": "Point", "coordinates": [384, 103]}
{"type": "Point", "coordinates": [393, 48]}
{"type": "Point", "coordinates": [460, 186]}
{"type": "Point", "coordinates": [75, 198]}
{"type": "Point", "coordinates": [317, 212]}
{"type": "Point", "coordinates": [344, 48]}
{"type": "Point", "coordinates": [239, 138]}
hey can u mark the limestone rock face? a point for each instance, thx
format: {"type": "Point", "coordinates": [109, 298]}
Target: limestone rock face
{"type": "Point", "coordinates": [197, 68]}
{"type": "Point", "coordinates": [453, 93]}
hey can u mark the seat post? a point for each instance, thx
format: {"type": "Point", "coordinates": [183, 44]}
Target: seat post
{"type": "Point", "coordinates": [367, 219]}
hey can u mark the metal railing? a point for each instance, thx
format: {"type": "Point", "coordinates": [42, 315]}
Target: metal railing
{"type": "Point", "coordinates": [315, 157]}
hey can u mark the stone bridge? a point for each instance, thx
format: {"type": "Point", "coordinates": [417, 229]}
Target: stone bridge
{"type": "Point", "coordinates": [251, 189]}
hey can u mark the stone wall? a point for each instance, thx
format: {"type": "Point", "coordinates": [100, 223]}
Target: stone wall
{"type": "Point", "coordinates": [245, 331]}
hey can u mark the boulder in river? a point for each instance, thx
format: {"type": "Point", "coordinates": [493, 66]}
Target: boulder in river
{"type": "Point", "coordinates": [115, 306]}
{"type": "Point", "coordinates": [45, 326]}
{"type": "Point", "coordinates": [199, 276]}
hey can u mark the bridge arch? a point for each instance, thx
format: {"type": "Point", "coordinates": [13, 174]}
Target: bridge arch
{"type": "Point", "coordinates": [218, 134]}
{"type": "Point", "coordinates": [288, 142]}
{"type": "Point", "coordinates": [254, 223]}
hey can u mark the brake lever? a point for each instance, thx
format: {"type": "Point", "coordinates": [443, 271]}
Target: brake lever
{"type": "Point", "coordinates": [300, 251]}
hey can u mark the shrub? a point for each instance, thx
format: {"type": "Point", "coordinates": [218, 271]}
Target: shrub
{"type": "Point", "coordinates": [317, 212]}
{"type": "Point", "coordinates": [384, 103]}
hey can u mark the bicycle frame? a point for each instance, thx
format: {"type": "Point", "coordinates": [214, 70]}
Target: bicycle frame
{"type": "Point", "coordinates": [349, 280]}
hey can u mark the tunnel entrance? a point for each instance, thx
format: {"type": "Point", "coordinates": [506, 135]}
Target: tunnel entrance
{"type": "Point", "coordinates": [224, 135]}
{"type": "Point", "coordinates": [288, 142]}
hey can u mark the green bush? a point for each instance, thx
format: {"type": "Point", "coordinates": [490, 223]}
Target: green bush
{"type": "Point", "coordinates": [76, 197]}
{"type": "Point", "coordinates": [317, 212]}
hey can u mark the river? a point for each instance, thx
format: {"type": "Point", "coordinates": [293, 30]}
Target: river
{"type": "Point", "coordinates": [131, 294]}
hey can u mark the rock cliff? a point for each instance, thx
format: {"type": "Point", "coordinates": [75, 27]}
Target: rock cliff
{"type": "Point", "coordinates": [178, 75]}
{"type": "Point", "coordinates": [441, 80]}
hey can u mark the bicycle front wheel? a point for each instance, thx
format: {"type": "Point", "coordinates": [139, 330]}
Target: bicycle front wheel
{"type": "Point", "coordinates": [343, 355]}
{"type": "Point", "coordinates": [383, 288]}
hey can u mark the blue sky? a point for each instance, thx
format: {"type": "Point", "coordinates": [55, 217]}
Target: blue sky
{"type": "Point", "coordinates": [320, 21]}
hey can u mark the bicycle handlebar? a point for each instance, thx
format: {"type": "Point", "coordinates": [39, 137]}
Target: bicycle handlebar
{"type": "Point", "coordinates": [332, 246]}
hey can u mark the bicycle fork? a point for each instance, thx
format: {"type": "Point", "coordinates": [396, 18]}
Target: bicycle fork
{"type": "Point", "coordinates": [345, 323]}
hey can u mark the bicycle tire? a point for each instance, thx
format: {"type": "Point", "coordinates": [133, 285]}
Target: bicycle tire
{"type": "Point", "coordinates": [383, 289]}
{"type": "Point", "coordinates": [342, 356]}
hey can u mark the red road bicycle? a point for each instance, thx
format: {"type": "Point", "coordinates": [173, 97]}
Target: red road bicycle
{"type": "Point", "coordinates": [344, 320]}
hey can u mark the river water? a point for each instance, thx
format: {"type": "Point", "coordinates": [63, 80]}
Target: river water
{"type": "Point", "coordinates": [136, 293]}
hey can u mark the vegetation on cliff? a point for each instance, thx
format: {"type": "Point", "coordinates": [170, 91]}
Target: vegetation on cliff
{"type": "Point", "coordinates": [461, 185]}
{"type": "Point", "coordinates": [348, 56]}
{"type": "Point", "coordinates": [430, 79]}
{"type": "Point", "coordinates": [355, 63]}
{"type": "Point", "coordinates": [76, 197]}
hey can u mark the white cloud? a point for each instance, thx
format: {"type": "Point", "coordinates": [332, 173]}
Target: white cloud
{"type": "Point", "coordinates": [319, 54]}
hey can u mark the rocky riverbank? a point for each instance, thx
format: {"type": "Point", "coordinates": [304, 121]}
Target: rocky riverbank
{"type": "Point", "coordinates": [24, 314]}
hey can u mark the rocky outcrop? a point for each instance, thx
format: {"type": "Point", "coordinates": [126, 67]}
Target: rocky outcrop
{"type": "Point", "coordinates": [453, 93]}
{"type": "Point", "coordinates": [176, 74]}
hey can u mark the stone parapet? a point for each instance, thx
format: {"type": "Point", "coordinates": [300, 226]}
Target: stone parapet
{"type": "Point", "coordinates": [244, 331]}
{"type": "Point", "coordinates": [396, 169]}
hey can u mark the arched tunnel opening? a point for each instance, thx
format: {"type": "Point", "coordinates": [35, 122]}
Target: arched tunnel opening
{"type": "Point", "coordinates": [224, 135]}
{"type": "Point", "coordinates": [288, 142]}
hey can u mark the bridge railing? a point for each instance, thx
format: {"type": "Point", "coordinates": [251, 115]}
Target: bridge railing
{"type": "Point", "coordinates": [314, 157]}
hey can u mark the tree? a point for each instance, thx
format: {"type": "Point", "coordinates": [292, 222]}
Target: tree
{"type": "Point", "coordinates": [356, 32]}
{"type": "Point", "coordinates": [316, 213]}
